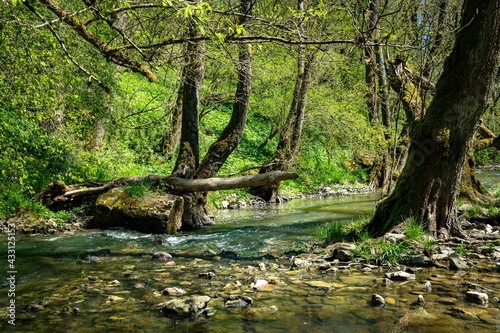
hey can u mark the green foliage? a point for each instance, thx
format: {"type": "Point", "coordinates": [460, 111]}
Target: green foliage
{"type": "Point", "coordinates": [299, 247]}
{"type": "Point", "coordinates": [462, 249]}
{"type": "Point", "coordinates": [415, 229]}
{"type": "Point", "coordinates": [138, 189]}
{"type": "Point", "coordinates": [331, 232]}
{"type": "Point", "coordinates": [486, 156]}
{"type": "Point", "coordinates": [382, 251]}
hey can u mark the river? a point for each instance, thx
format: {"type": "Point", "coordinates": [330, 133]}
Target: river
{"type": "Point", "coordinates": [105, 280]}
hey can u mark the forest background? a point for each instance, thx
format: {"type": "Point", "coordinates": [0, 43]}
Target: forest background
{"type": "Point", "coordinates": [70, 114]}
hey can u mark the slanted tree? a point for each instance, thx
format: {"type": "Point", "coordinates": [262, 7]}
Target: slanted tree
{"type": "Point", "coordinates": [291, 132]}
{"type": "Point", "coordinates": [429, 184]}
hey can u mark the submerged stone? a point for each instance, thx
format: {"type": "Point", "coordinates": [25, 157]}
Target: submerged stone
{"type": "Point", "coordinates": [161, 256]}
{"type": "Point", "coordinates": [186, 307]}
{"type": "Point", "coordinates": [173, 291]}
{"type": "Point", "coordinates": [378, 300]}
{"type": "Point", "coordinates": [238, 301]}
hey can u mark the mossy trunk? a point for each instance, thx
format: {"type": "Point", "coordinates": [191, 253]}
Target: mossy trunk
{"type": "Point", "coordinates": [472, 189]}
{"type": "Point", "coordinates": [430, 181]}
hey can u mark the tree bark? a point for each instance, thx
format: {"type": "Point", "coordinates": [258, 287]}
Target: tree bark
{"type": "Point", "coordinates": [172, 139]}
{"type": "Point", "coordinates": [429, 184]}
{"type": "Point", "coordinates": [188, 157]}
{"type": "Point", "coordinates": [220, 150]}
{"type": "Point", "coordinates": [291, 133]}
{"type": "Point", "coordinates": [176, 185]}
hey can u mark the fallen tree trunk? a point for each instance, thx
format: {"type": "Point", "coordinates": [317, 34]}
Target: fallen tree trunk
{"type": "Point", "coordinates": [176, 185]}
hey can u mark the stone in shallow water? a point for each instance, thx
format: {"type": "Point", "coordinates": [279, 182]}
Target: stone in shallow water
{"type": "Point", "coordinates": [427, 287]}
{"type": "Point", "coordinates": [161, 256]}
{"type": "Point", "coordinates": [476, 297]}
{"type": "Point", "coordinates": [400, 276]}
{"type": "Point", "coordinates": [115, 299]}
{"type": "Point", "coordinates": [186, 307]}
{"type": "Point", "coordinates": [238, 301]}
{"type": "Point", "coordinates": [456, 263]}
{"type": "Point", "coordinates": [173, 291]}
{"type": "Point", "coordinates": [259, 283]}
{"type": "Point", "coordinates": [378, 300]}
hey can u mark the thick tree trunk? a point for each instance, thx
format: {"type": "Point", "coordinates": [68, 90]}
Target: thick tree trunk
{"type": "Point", "coordinates": [471, 188]}
{"type": "Point", "coordinates": [189, 157]}
{"type": "Point", "coordinates": [429, 184]}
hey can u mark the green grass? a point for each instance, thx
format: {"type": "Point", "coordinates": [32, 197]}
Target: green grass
{"type": "Point", "coordinates": [139, 189]}
{"type": "Point", "coordinates": [381, 251]}
{"type": "Point", "coordinates": [415, 229]}
{"type": "Point", "coordinates": [462, 250]}
{"type": "Point", "coordinates": [331, 232]}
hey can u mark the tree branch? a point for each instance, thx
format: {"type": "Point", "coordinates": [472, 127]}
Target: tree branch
{"type": "Point", "coordinates": [110, 53]}
{"type": "Point", "coordinates": [65, 50]}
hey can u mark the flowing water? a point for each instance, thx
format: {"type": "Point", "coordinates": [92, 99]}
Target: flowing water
{"type": "Point", "coordinates": [105, 280]}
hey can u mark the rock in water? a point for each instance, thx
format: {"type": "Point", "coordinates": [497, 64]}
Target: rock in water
{"type": "Point", "coordinates": [476, 297]}
{"type": "Point", "coordinates": [456, 263]}
{"type": "Point", "coordinates": [238, 301]}
{"type": "Point", "coordinates": [378, 300]}
{"type": "Point", "coordinates": [161, 256]}
{"type": "Point", "coordinates": [186, 307]}
{"type": "Point", "coordinates": [400, 276]}
{"type": "Point", "coordinates": [421, 300]}
{"type": "Point", "coordinates": [173, 291]}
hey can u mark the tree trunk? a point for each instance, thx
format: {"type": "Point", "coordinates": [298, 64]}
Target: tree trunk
{"type": "Point", "coordinates": [220, 150]}
{"type": "Point", "coordinates": [175, 185]}
{"type": "Point", "coordinates": [172, 139]}
{"type": "Point", "coordinates": [194, 69]}
{"type": "Point", "coordinates": [471, 188]}
{"type": "Point", "coordinates": [291, 133]}
{"type": "Point", "coordinates": [371, 64]}
{"type": "Point", "coordinates": [429, 184]}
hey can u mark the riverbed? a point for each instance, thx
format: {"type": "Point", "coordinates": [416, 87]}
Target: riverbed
{"type": "Point", "coordinates": [105, 280]}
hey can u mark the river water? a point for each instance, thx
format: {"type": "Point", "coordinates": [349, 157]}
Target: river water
{"type": "Point", "coordinates": [105, 280]}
